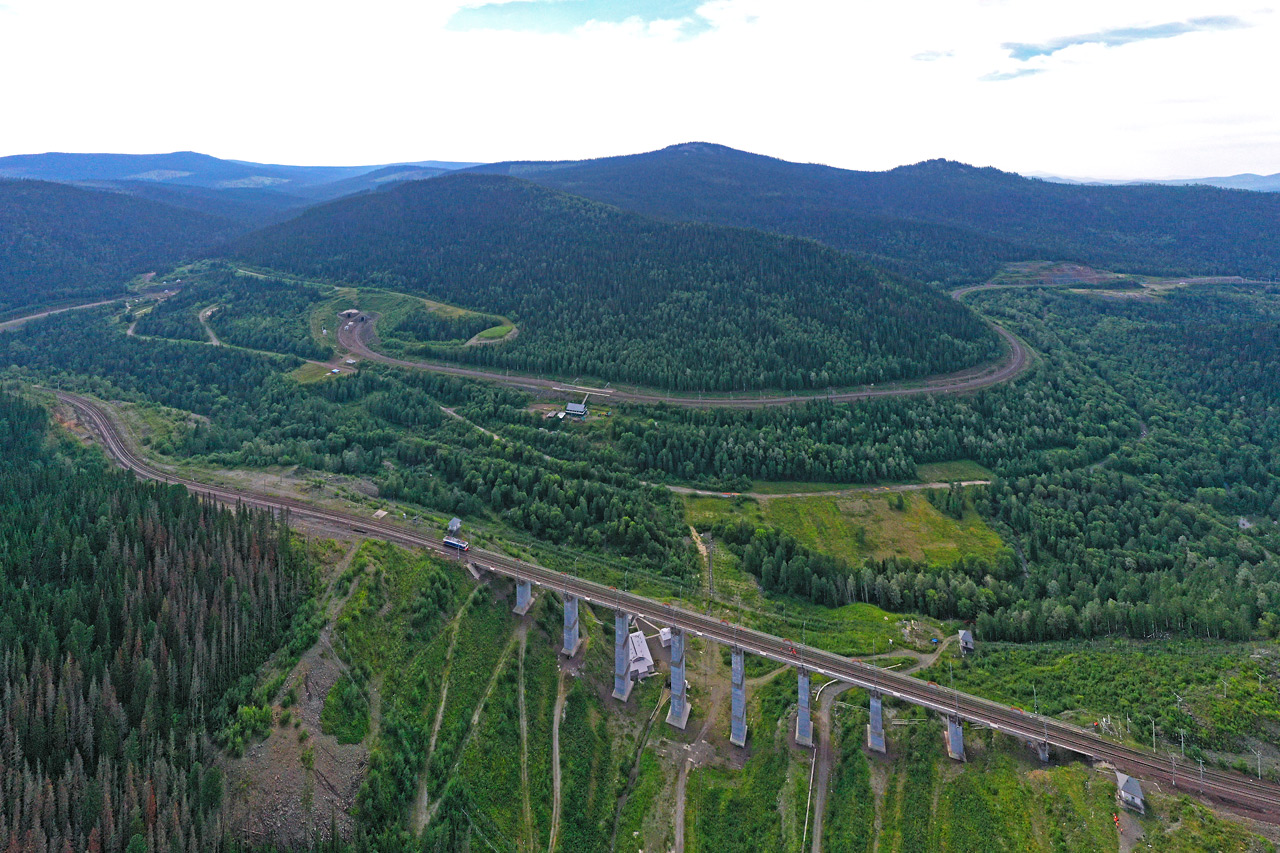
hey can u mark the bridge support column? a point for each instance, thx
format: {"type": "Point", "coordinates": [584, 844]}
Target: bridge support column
{"type": "Point", "coordinates": [1042, 749]}
{"type": "Point", "coordinates": [524, 597]}
{"type": "Point", "coordinates": [738, 729]}
{"type": "Point", "coordinates": [621, 656]}
{"type": "Point", "coordinates": [954, 738]}
{"type": "Point", "coordinates": [678, 715]}
{"type": "Point", "coordinates": [572, 641]}
{"type": "Point", "coordinates": [804, 723]}
{"type": "Point", "coordinates": [875, 728]}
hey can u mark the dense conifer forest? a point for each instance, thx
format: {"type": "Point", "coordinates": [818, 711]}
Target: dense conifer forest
{"type": "Point", "coordinates": [60, 243]}
{"type": "Point", "coordinates": [386, 426]}
{"type": "Point", "coordinates": [132, 620]}
{"type": "Point", "coordinates": [938, 220]}
{"type": "Point", "coordinates": [1135, 484]}
{"type": "Point", "coordinates": [1125, 459]}
{"type": "Point", "coordinates": [603, 293]}
{"type": "Point", "coordinates": [257, 313]}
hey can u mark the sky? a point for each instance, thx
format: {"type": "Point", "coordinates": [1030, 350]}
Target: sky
{"type": "Point", "coordinates": [1115, 89]}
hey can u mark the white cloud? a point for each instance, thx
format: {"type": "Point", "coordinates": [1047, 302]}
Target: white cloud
{"type": "Point", "coordinates": [841, 82]}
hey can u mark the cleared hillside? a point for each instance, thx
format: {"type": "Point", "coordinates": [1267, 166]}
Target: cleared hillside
{"type": "Point", "coordinates": [938, 219]}
{"type": "Point", "coordinates": [60, 243]}
{"type": "Point", "coordinates": [604, 293]}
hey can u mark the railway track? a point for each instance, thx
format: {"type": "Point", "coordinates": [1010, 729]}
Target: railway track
{"type": "Point", "coordinates": [356, 337]}
{"type": "Point", "coordinates": [1243, 794]}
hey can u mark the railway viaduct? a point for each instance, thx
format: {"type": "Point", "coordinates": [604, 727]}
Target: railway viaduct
{"type": "Point", "coordinates": [1243, 794]}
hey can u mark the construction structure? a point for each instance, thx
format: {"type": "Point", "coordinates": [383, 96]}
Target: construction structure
{"type": "Point", "coordinates": [804, 722]}
{"type": "Point", "coordinates": [1234, 788]}
{"type": "Point", "coordinates": [1129, 793]}
{"type": "Point", "coordinates": [678, 715]}
{"type": "Point", "coordinates": [639, 661]}
{"type": "Point", "coordinates": [738, 724]}
{"type": "Point", "coordinates": [875, 728]}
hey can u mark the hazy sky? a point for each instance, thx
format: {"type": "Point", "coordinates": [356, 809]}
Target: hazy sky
{"type": "Point", "coordinates": [1122, 88]}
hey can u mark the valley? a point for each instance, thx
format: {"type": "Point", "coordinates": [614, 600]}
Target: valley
{"type": "Point", "coordinates": [796, 454]}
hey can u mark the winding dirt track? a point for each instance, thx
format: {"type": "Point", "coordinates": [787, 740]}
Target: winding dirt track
{"type": "Point", "coordinates": [358, 337]}
{"type": "Point", "coordinates": [18, 321]}
{"type": "Point", "coordinates": [1245, 795]}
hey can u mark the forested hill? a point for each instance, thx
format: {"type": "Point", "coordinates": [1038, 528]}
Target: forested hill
{"type": "Point", "coordinates": [59, 242]}
{"type": "Point", "coordinates": [938, 219]}
{"type": "Point", "coordinates": [601, 292]}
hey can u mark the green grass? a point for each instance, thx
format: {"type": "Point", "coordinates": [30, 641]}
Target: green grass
{"type": "Point", "coordinates": [481, 636]}
{"type": "Point", "coordinates": [391, 308]}
{"type": "Point", "coordinates": [541, 673]}
{"type": "Point", "coordinates": [311, 373]}
{"type": "Point", "coordinates": [496, 333]}
{"type": "Point", "coordinates": [848, 825]}
{"type": "Point", "coordinates": [650, 781]}
{"type": "Point", "coordinates": [754, 809]}
{"type": "Point", "coordinates": [950, 472]}
{"type": "Point", "coordinates": [588, 772]}
{"type": "Point", "coordinates": [157, 428]}
{"type": "Point", "coordinates": [859, 526]}
{"type": "Point", "coordinates": [490, 765]}
{"type": "Point", "coordinates": [932, 472]}
{"type": "Point", "coordinates": [1226, 687]}
{"type": "Point", "coordinates": [1195, 828]}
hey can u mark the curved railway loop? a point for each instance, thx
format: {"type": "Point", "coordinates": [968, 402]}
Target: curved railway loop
{"type": "Point", "coordinates": [1242, 794]}
{"type": "Point", "coordinates": [358, 338]}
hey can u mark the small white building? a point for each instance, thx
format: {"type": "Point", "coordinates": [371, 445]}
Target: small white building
{"type": "Point", "coordinates": [664, 637]}
{"type": "Point", "coordinates": [455, 524]}
{"type": "Point", "coordinates": [966, 642]}
{"type": "Point", "coordinates": [638, 652]}
{"type": "Point", "coordinates": [1129, 793]}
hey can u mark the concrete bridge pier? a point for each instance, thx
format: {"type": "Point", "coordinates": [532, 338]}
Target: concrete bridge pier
{"type": "Point", "coordinates": [954, 739]}
{"type": "Point", "coordinates": [738, 731]}
{"type": "Point", "coordinates": [678, 715]}
{"type": "Point", "coordinates": [621, 656]}
{"type": "Point", "coordinates": [572, 640]}
{"type": "Point", "coordinates": [1042, 749]}
{"type": "Point", "coordinates": [875, 728]}
{"type": "Point", "coordinates": [524, 597]}
{"type": "Point", "coordinates": [804, 723]}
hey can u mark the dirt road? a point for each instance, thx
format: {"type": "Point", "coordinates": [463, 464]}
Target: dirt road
{"type": "Point", "coordinates": [208, 330]}
{"type": "Point", "coordinates": [15, 323]}
{"type": "Point", "coordinates": [834, 493]}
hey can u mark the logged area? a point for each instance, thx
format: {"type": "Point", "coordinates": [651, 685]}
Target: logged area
{"type": "Point", "coordinates": [598, 292]}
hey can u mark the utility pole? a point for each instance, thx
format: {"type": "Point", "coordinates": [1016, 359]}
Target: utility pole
{"type": "Point", "coordinates": [1153, 734]}
{"type": "Point", "coordinates": [1201, 775]}
{"type": "Point", "coordinates": [1259, 754]}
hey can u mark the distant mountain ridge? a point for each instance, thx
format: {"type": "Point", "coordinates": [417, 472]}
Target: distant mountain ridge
{"type": "Point", "coordinates": [187, 168]}
{"type": "Point", "coordinates": [1244, 181]}
{"type": "Point", "coordinates": [938, 219]}
{"type": "Point", "coordinates": [252, 194]}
